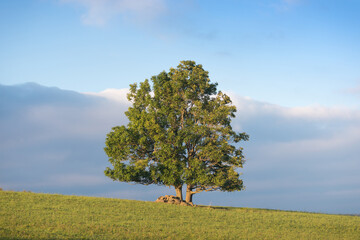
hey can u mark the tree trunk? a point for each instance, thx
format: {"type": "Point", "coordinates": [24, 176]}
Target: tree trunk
{"type": "Point", "coordinates": [179, 192]}
{"type": "Point", "coordinates": [189, 194]}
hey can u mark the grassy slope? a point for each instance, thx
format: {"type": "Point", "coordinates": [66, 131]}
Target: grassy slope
{"type": "Point", "coordinates": [45, 216]}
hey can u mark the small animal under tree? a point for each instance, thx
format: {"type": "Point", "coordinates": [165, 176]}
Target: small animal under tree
{"type": "Point", "coordinates": [179, 133]}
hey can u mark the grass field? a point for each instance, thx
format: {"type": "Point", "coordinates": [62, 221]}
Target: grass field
{"type": "Point", "coordinates": [26, 215]}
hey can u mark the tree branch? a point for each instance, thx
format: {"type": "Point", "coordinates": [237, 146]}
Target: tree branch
{"type": "Point", "coordinates": [202, 189]}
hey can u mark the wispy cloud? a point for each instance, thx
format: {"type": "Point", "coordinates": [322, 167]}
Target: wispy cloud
{"type": "Point", "coordinates": [286, 5]}
{"type": "Point", "coordinates": [99, 12]}
{"type": "Point", "coordinates": [292, 1]}
{"type": "Point", "coordinates": [354, 90]}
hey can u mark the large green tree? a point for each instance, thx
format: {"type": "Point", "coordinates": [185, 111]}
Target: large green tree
{"type": "Point", "coordinates": [179, 133]}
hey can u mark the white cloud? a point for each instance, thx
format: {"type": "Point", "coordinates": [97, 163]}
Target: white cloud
{"type": "Point", "coordinates": [99, 12]}
{"type": "Point", "coordinates": [53, 141]}
{"type": "Point", "coordinates": [117, 95]}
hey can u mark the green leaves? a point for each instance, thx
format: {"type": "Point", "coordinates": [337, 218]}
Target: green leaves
{"type": "Point", "coordinates": [179, 133]}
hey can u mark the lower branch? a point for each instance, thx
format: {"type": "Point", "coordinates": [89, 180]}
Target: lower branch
{"type": "Point", "coordinates": [205, 189]}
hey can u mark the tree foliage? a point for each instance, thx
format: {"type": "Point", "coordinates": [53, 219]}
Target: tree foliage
{"type": "Point", "coordinates": [179, 133]}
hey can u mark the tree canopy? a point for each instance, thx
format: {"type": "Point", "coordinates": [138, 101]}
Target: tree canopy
{"type": "Point", "coordinates": [179, 133]}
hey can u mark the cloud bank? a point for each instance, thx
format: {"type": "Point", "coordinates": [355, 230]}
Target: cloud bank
{"type": "Point", "coordinates": [303, 158]}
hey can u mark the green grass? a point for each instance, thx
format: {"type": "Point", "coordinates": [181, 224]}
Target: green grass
{"type": "Point", "coordinates": [25, 215]}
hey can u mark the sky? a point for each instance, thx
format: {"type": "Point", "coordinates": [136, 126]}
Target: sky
{"type": "Point", "coordinates": [291, 68]}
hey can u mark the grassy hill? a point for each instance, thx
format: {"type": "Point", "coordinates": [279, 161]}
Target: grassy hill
{"type": "Point", "coordinates": [26, 215]}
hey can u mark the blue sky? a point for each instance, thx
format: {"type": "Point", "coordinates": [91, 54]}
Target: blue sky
{"type": "Point", "coordinates": [291, 67]}
{"type": "Point", "coordinates": [294, 52]}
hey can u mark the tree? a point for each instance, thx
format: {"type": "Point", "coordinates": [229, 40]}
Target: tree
{"type": "Point", "coordinates": [178, 134]}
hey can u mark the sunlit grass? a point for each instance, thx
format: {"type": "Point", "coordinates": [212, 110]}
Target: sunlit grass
{"type": "Point", "coordinates": [46, 216]}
